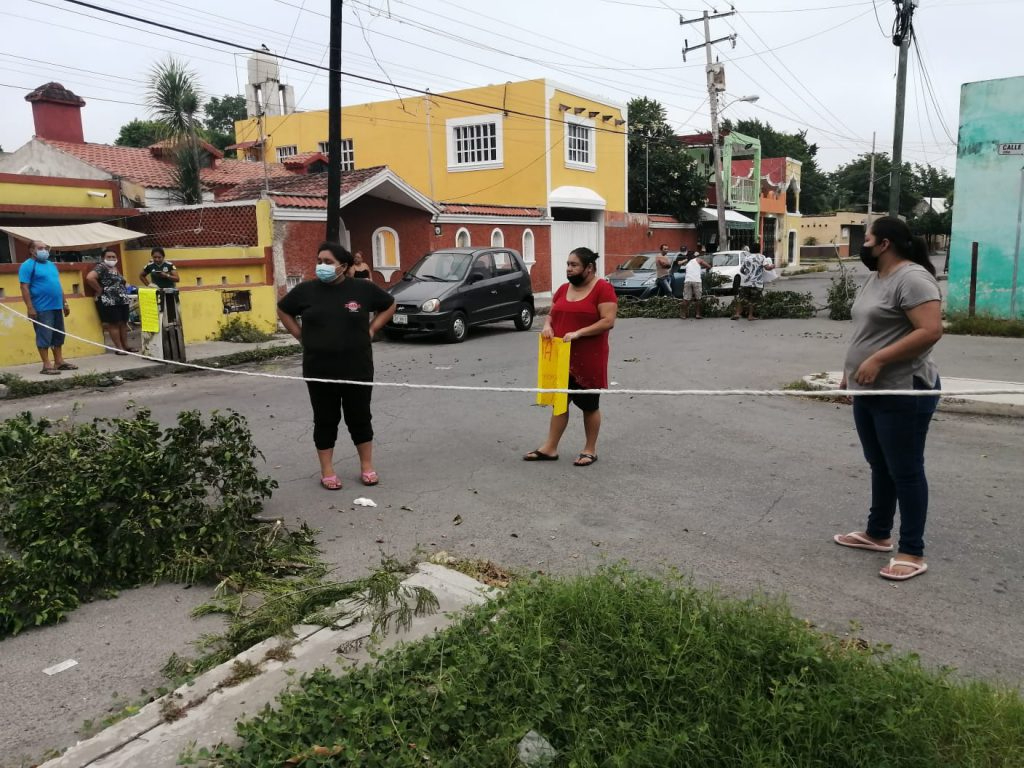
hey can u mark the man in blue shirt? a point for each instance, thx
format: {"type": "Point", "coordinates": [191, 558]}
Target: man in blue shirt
{"type": "Point", "coordinates": [45, 304]}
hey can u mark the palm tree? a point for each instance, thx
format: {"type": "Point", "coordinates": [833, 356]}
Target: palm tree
{"type": "Point", "coordinates": [174, 99]}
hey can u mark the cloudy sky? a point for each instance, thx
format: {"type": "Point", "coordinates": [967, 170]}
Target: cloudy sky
{"type": "Point", "coordinates": [827, 66]}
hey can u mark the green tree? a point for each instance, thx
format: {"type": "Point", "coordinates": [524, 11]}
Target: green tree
{"type": "Point", "coordinates": [139, 133]}
{"type": "Point", "coordinates": [851, 185]}
{"type": "Point", "coordinates": [173, 98]}
{"type": "Point", "coordinates": [662, 177]}
{"type": "Point", "coordinates": [221, 114]}
{"type": "Point", "coordinates": [815, 186]}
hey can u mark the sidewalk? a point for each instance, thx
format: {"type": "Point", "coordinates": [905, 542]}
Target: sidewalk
{"type": "Point", "coordinates": [114, 365]}
{"type": "Point", "coordinates": [986, 405]}
{"type": "Point", "coordinates": [203, 713]}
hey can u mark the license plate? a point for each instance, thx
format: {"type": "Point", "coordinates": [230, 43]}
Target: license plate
{"type": "Point", "coordinates": [400, 319]}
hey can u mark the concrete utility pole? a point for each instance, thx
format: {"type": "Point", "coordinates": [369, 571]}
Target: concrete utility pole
{"type": "Point", "coordinates": [902, 36]}
{"type": "Point", "coordinates": [333, 233]}
{"type": "Point", "coordinates": [713, 89]}
{"type": "Point", "coordinates": [871, 184]}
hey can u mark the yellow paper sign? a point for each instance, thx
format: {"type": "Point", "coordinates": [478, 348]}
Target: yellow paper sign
{"type": "Point", "coordinates": [149, 313]}
{"type": "Point", "coordinates": [553, 373]}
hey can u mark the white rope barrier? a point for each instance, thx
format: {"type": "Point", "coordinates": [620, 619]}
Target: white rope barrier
{"type": "Point", "coordinates": [823, 393]}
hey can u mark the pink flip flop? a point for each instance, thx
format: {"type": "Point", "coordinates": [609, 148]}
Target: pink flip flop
{"type": "Point", "coordinates": [369, 478]}
{"type": "Point", "coordinates": [331, 483]}
{"type": "Point", "coordinates": [862, 542]}
{"type": "Point", "coordinates": [916, 570]}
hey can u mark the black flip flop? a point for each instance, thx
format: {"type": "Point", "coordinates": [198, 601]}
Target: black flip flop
{"type": "Point", "coordinates": [539, 456]}
{"type": "Point", "coordinates": [592, 457]}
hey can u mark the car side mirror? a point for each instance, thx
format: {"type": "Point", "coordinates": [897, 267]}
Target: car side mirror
{"type": "Point", "coordinates": [474, 277]}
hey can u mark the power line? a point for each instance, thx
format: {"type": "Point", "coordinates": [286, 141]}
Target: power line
{"type": "Point", "coordinates": [931, 90]}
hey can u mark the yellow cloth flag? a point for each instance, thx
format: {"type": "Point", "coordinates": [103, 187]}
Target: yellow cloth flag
{"type": "Point", "coordinates": [149, 312]}
{"type": "Point", "coordinates": [553, 373]}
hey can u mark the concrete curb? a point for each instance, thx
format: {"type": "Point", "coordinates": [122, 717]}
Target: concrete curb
{"type": "Point", "coordinates": [203, 713]}
{"type": "Point", "coordinates": [1009, 406]}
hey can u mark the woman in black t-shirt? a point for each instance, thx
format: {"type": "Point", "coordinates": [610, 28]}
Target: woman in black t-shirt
{"type": "Point", "coordinates": [360, 268]}
{"type": "Point", "coordinates": [336, 336]}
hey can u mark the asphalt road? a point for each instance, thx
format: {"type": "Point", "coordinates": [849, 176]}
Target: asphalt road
{"type": "Point", "coordinates": [740, 493]}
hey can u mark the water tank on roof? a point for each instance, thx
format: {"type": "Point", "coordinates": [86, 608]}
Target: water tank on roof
{"type": "Point", "coordinates": [263, 67]}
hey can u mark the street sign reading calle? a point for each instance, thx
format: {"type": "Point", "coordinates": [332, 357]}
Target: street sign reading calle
{"type": "Point", "coordinates": [1011, 149]}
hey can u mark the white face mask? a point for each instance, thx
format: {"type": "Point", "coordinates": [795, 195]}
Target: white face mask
{"type": "Point", "coordinates": [110, 262]}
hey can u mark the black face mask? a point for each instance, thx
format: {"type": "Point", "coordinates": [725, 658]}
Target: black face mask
{"type": "Point", "coordinates": [576, 280]}
{"type": "Point", "coordinates": [868, 259]}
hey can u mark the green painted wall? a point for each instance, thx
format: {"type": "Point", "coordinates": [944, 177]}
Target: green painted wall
{"type": "Point", "coordinates": [987, 198]}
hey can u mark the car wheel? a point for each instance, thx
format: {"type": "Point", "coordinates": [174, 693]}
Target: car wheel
{"type": "Point", "coordinates": [524, 320]}
{"type": "Point", "coordinates": [736, 284]}
{"type": "Point", "coordinates": [457, 328]}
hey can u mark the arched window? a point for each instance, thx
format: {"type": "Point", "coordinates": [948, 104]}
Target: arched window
{"type": "Point", "coordinates": [386, 256]}
{"type": "Point", "coordinates": [528, 248]}
{"type": "Point", "coordinates": [497, 238]}
{"type": "Point", "coordinates": [462, 238]}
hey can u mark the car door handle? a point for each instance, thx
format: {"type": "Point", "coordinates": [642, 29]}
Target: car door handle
{"type": "Point", "coordinates": [495, 291]}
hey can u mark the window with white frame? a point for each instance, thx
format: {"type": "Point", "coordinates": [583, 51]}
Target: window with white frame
{"type": "Point", "coordinates": [497, 238]}
{"type": "Point", "coordinates": [579, 143]}
{"type": "Point", "coordinates": [462, 239]}
{"type": "Point", "coordinates": [288, 151]}
{"type": "Point", "coordinates": [348, 153]}
{"type": "Point", "coordinates": [385, 249]}
{"type": "Point", "coordinates": [474, 143]}
{"type": "Point", "coordinates": [528, 247]}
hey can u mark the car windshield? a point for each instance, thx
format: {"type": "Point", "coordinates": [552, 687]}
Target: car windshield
{"type": "Point", "coordinates": [725, 260]}
{"type": "Point", "coordinates": [442, 267]}
{"type": "Point", "coordinates": [641, 261]}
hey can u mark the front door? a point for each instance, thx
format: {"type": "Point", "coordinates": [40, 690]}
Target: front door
{"type": "Point", "coordinates": [480, 293]}
{"type": "Point", "coordinates": [566, 236]}
{"type": "Point", "coordinates": [791, 255]}
{"type": "Point", "coordinates": [768, 238]}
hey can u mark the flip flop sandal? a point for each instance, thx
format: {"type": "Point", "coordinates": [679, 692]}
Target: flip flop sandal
{"type": "Point", "coordinates": [369, 478]}
{"type": "Point", "coordinates": [331, 483]}
{"type": "Point", "coordinates": [592, 457]}
{"type": "Point", "coordinates": [860, 542]}
{"type": "Point", "coordinates": [539, 456]}
{"type": "Point", "coordinates": [918, 569]}
{"type": "Point", "coordinates": [67, 367]}
{"type": "Point", "coordinates": [50, 372]}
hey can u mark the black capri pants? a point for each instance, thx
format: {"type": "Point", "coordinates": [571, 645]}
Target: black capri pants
{"type": "Point", "coordinates": [330, 402]}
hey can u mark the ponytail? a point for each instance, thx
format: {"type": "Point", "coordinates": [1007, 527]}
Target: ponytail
{"type": "Point", "coordinates": [908, 246]}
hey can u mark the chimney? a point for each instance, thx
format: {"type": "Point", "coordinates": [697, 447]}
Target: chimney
{"type": "Point", "coordinates": [57, 113]}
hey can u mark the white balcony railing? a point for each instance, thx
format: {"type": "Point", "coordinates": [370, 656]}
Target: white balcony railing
{"type": "Point", "coordinates": [743, 191]}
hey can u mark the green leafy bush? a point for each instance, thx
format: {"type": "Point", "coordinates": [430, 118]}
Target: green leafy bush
{"type": "Point", "coordinates": [86, 509]}
{"type": "Point", "coordinates": [841, 293]}
{"type": "Point", "coordinates": [774, 305]}
{"type": "Point", "coordinates": [242, 331]}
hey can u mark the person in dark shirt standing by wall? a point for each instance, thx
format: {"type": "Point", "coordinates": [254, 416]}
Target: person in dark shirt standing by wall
{"type": "Point", "coordinates": [336, 336]}
{"type": "Point", "coordinates": [160, 271]}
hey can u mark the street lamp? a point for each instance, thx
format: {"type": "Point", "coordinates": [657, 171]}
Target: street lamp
{"type": "Point", "coordinates": [717, 150]}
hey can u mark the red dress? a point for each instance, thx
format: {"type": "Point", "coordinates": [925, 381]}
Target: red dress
{"type": "Point", "coordinates": [588, 360]}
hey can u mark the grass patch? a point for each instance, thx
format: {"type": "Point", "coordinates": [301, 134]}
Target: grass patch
{"type": "Point", "coordinates": [618, 669]}
{"type": "Point", "coordinates": [984, 325]}
{"type": "Point", "coordinates": [799, 385]}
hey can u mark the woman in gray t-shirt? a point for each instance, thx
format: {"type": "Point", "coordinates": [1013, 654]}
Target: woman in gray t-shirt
{"type": "Point", "coordinates": [897, 320]}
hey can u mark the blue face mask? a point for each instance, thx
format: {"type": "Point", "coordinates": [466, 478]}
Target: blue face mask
{"type": "Point", "coordinates": [326, 272]}
{"type": "Point", "coordinates": [42, 255]}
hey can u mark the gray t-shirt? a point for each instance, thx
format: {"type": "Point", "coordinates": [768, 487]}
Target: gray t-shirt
{"type": "Point", "coordinates": [880, 319]}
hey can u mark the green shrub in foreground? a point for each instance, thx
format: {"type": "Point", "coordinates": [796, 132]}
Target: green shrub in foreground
{"type": "Point", "coordinates": [618, 669]}
{"type": "Point", "coordinates": [86, 509]}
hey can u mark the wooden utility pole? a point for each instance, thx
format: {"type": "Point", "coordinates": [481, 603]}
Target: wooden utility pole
{"type": "Point", "coordinates": [333, 233]}
{"type": "Point", "coordinates": [716, 147]}
{"type": "Point", "coordinates": [902, 36]}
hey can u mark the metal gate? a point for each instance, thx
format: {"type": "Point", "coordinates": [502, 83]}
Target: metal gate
{"type": "Point", "coordinates": [567, 235]}
{"type": "Point", "coordinates": [769, 237]}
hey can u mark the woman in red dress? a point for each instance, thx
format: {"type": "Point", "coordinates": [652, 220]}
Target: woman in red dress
{"type": "Point", "coordinates": [582, 312]}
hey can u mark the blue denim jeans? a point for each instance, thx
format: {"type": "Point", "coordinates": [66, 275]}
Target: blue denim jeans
{"type": "Point", "coordinates": [892, 431]}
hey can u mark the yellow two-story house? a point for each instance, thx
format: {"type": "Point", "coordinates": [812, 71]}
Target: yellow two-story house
{"type": "Point", "coordinates": [532, 144]}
